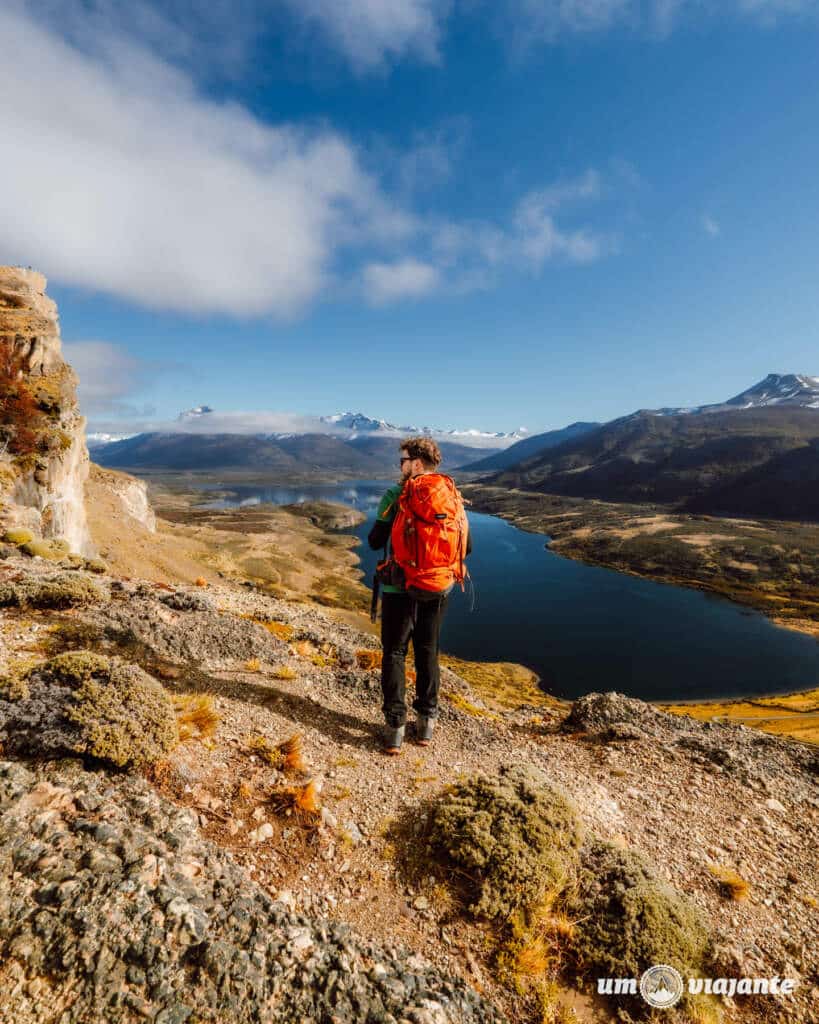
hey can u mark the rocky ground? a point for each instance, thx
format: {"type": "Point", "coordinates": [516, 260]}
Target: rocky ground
{"type": "Point", "coordinates": [246, 898]}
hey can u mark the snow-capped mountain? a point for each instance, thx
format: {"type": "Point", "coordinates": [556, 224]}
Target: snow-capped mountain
{"type": "Point", "coordinates": [779, 389]}
{"type": "Point", "coordinates": [788, 389]}
{"type": "Point", "coordinates": [357, 423]}
{"type": "Point", "coordinates": [345, 426]}
{"type": "Point", "coordinates": [95, 440]}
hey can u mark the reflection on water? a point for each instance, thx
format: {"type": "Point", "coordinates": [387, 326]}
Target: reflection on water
{"type": "Point", "coordinates": [584, 628]}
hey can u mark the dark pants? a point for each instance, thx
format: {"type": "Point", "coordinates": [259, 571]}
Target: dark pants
{"type": "Point", "coordinates": [403, 618]}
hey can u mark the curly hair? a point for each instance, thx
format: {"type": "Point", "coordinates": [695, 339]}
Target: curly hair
{"type": "Point", "coordinates": [423, 448]}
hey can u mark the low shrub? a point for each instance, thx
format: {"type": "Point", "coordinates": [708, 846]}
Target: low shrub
{"type": "Point", "coordinates": [629, 919]}
{"type": "Point", "coordinates": [513, 839]}
{"type": "Point", "coordinates": [53, 550]}
{"type": "Point", "coordinates": [85, 704]}
{"type": "Point", "coordinates": [64, 591]}
{"type": "Point", "coordinates": [13, 687]}
{"type": "Point", "coordinates": [18, 537]}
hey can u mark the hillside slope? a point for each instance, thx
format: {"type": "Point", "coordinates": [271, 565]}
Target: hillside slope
{"type": "Point", "coordinates": [678, 459]}
{"type": "Point", "coordinates": [529, 447]}
{"type": "Point", "coordinates": [208, 812]}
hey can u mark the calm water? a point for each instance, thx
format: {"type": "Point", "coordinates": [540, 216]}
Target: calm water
{"type": "Point", "coordinates": [583, 628]}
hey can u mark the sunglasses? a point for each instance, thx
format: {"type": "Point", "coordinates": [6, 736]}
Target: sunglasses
{"type": "Point", "coordinates": [407, 458]}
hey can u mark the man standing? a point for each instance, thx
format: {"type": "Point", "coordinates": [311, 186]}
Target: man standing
{"type": "Point", "coordinates": [422, 521]}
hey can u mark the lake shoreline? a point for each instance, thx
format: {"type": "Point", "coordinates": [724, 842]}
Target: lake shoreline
{"type": "Point", "coordinates": [576, 526]}
{"type": "Point", "coordinates": [794, 713]}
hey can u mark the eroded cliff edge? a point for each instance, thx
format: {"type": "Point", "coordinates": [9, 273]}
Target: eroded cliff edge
{"type": "Point", "coordinates": [43, 456]}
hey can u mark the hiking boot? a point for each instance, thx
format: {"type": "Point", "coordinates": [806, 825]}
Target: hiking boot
{"type": "Point", "coordinates": [393, 738]}
{"type": "Point", "coordinates": [423, 730]}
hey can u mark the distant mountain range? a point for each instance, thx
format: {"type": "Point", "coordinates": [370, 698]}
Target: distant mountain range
{"type": "Point", "coordinates": [756, 454]}
{"type": "Point", "coordinates": [365, 455]}
{"type": "Point", "coordinates": [530, 446]}
{"type": "Point", "coordinates": [347, 425]}
{"type": "Point", "coordinates": [358, 423]}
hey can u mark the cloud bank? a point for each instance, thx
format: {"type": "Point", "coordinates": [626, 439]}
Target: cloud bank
{"type": "Point", "coordinates": [116, 175]}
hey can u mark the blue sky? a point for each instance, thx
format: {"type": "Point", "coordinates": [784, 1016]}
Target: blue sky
{"type": "Point", "coordinates": [455, 213]}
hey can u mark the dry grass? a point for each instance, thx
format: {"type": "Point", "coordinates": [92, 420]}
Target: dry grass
{"type": "Point", "coordinates": [284, 672]}
{"type": "Point", "coordinates": [793, 714]}
{"type": "Point", "coordinates": [278, 629]}
{"type": "Point", "coordinates": [703, 1009]}
{"type": "Point", "coordinates": [369, 659]}
{"type": "Point", "coordinates": [287, 756]}
{"type": "Point", "coordinates": [196, 716]}
{"type": "Point", "coordinates": [292, 751]}
{"type": "Point", "coordinates": [463, 704]}
{"type": "Point", "coordinates": [300, 801]}
{"type": "Point", "coordinates": [253, 665]}
{"type": "Point", "coordinates": [732, 884]}
{"type": "Point", "coordinates": [533, 959]}
{"type": "Point", "coordinates": [502, 684]}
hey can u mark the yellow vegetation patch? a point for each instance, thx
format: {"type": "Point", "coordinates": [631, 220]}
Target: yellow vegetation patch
{"type": "Point", "coordinates": [702, 540]}
{"type": "Point", "coordinates": [279, 629]}
{"type": "Point", "coordinates": [196, 716]}
{"type": "Point", "coordinates": [502, 684]}
{"type": "Point", "coordinates": [321, 657]}
{"type": "Point", "coordinates": [284, 672]}
{"type": "Point", "coordinates": [795, 714]}
{"type": "Point", "coordinates": [253, 665]}
{"type": "Point", "coordinates": [287, 756]}
{"type": "Point", "coordinates": [463, 704]}
{"type": "Point", "coordinates": [733, 884]}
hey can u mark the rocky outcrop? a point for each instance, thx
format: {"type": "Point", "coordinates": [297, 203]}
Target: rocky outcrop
{"type": "Point", "coordinates": [45, 459]}
{"type": "Point", "coordinates": [128, 493]}
{"type": "Point", "coordinates": [112, 908]}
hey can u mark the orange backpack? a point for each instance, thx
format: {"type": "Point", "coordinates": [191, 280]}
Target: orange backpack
{"type": "Point", "coordinates": [429, 533]}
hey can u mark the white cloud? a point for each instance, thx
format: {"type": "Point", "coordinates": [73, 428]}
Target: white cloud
{"type": "Point", "coordinates": [526, 22]}
{"type": "Point", "coordinates": [369, 32]}
{"type": "Point", "coordinates": [387, 282]}
{"type": "Point", "coordinates": [538, 233]}
{"type": "Point", "coordinates": [116, 175]}
{"type": "Point", "coordinates": [109, 376]}
{"type": "Point", "coordinates": [541, 239]}
{"type": "Point", "coordinates": [710, 226]}
{"type": "Point", "coordinates": [587, 186]}
{"type": "Point", "coordinates": [547, 19]}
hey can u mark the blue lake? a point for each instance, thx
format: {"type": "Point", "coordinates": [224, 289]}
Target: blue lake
{"type": "Point", "coordinates": [583, 628]}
